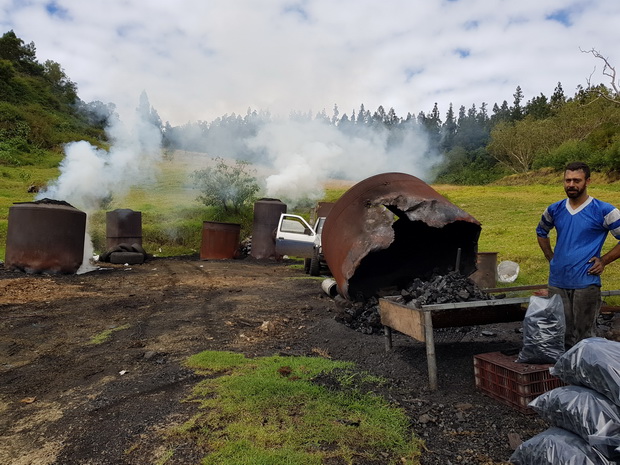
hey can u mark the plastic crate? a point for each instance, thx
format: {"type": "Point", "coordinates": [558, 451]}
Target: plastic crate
{"type": "Point", "coordinates": [512, 383]}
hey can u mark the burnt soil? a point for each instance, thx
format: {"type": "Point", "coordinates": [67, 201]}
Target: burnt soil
{"type": "Point", "coordinates": [65, 400]}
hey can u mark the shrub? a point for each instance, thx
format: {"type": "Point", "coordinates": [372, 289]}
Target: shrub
{"type": "Point", "coordinates": [558, 158]}
{"type": "Point", "coordinates": [229, 187]}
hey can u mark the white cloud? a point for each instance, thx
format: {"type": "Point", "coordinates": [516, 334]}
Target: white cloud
{"type": "Point", "coordinates": [199, 60]}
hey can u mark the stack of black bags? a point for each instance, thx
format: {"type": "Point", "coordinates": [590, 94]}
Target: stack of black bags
{"type": "Point", "coordinates": [584, 415]}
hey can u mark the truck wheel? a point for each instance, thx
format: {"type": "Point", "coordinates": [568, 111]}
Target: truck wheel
{"type": "Point", "coordinates": [307, 265]}
{"type": "Point", "coordinates": [315, 265]}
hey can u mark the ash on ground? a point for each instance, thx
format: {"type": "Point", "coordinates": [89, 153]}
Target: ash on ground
{"type": "Point", "coordinates": [440, 289]}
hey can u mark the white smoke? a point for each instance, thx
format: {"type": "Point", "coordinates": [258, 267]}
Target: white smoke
{"type": "Point", "coordinates": [88, 254]}
{"type": "Point", "coordinates": [90, 176]}
{"type": "Point", "coordinates": [304, 154]}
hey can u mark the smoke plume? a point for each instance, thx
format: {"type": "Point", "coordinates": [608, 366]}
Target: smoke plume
{"type": "Point", "coordinates": [90, 176]}
{"type": "Point", "coordinates": [304, 154]}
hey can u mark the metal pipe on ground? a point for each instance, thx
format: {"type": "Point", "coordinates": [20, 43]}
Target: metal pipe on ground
{"type": "Point", "coordinates": [330, 287]}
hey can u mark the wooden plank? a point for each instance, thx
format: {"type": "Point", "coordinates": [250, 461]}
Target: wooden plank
{"type": "Point", "coordinates": [477, 303]}
{"type": "Point", "coordinates": [610, 309]}
{"type": "Point", "coordinates": [408, 321]}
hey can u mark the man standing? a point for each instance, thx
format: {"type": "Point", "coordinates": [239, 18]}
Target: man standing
{"type": "Point", "coordinates": [575, 266]}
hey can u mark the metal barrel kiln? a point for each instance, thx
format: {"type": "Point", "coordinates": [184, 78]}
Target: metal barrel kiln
{"type": "Point", "coordinates": [46, 236]}
{"type": "Point", "coordinates": [486, 274]}
{"type": "Point", "coordinates": [266, 216]}
{"type": "Point", "coordinates": [123, 226]}
{"type": "Point", "coordinates": [219, 240]}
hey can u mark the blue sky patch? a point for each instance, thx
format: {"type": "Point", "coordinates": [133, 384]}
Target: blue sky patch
{"type": "Point", "coordinates": [410, 73]}
{"type": "Point", "coordinates": [462, 52]}
{"type": "Point", "coordinates": [55, 10]}
{"type": "Point", "coordinates": [296, 9]}
{"type": "Point", "coordinates": [561, 16]}
{"type": "Point", "coordinates": [472, 24]}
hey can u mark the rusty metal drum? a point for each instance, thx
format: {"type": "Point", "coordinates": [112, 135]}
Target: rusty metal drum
{"type": "Point", "coordinates": [266, 216]}
{"type": "Point", "coordinates": [323, 208]}
{"type": "Point", "coordinates": [485, 275]}
{"type": "Point", "coordinates": [391, 228]}
{"type": "Point", "coordinates": [123, 226]}
{"type": "Point", "coordinates": [219, 240]}
{"type": "Point", "coordinates": [45, 237]}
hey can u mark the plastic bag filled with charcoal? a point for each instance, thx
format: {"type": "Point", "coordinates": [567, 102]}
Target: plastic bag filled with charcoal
{"type": "Point", "coordinates": [594, 363]}
{"type": "Point", "coordinates": [585, 412]}
{"type": "Point", "coordinates": [556, 446]}
{"type": "Point", "coordinates": [544, 327]}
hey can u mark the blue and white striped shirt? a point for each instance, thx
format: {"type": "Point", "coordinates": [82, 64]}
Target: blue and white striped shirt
{"type": "Point", "coordinates": [581, 234]}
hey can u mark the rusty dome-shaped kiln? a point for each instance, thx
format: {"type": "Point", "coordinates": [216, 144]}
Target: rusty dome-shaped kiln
{"type": "Point", "coordinates": [391, 228]}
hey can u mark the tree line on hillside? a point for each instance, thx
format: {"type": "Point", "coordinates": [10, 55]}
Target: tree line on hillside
{"type": "Point", "coordinates": [40, 110]}
{"type": "Point", "coordinates": [478, 145]}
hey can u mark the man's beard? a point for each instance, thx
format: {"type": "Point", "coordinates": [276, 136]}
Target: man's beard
{"type": "Point", "coordinates": [573, 193]}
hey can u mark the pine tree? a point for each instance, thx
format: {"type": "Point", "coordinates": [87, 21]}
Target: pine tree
{"type": "Point", "coordinates": [558, 99]}
{"type": "Point", "coordinates": [335, 114]}
{"type": "Point", "coordinates": [448, 130]}
{"type": "Point", "coordinates": [516, 112]}
{"type": "Point", "coordinates": [538, 107]}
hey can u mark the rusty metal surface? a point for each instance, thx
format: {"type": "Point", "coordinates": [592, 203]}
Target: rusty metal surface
{"type": "Point", "coordinates": [266, 216]}
{"type": "Point", "coordinates": [323, 208]}
{"type": "Point", "coordinates": [123, 226]}
{"type": "Point", "coordinates": [393, 227]}
{"type": "Point", "coordinates": [45, 238]}
{"type": "Point", "coordinates": [219, 240]}
{"type": "Point", "coordinates": [486, 274]}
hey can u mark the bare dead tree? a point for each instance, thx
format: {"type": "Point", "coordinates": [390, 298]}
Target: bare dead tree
{"type": "Point", "coordinates": [610, 72]}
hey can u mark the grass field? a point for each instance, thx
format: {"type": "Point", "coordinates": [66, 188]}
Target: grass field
{"type": "Point", "coordinates": [172, 218]}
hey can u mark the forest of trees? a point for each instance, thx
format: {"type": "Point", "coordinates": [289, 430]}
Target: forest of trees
{"type": "Point", "coordinates": [40, 110]}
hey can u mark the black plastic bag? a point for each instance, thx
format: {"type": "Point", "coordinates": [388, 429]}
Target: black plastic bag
{"type": "Point", "coordinates": [593, 363]}
{"type": "Point", "coordinates": [544, 327]}
{"type": "Point", "coordinates": [585, 412]}
{"type": "Point", "coordinates": [556, 446]}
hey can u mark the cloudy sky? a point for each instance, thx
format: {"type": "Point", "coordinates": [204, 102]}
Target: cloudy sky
{"type": "Point", "coordinates": [199, 59]}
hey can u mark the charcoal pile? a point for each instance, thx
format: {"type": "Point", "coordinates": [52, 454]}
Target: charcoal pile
{"type": "Point", "coordinates": [47, 201]}
{"type": "Point", "coordinates": [361, 316]}
{"type": "Point", "coordinates": [440, 289]}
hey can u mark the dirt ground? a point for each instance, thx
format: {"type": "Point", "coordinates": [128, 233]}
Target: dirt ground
{"type": "Point", "coordinates": [65, 400]}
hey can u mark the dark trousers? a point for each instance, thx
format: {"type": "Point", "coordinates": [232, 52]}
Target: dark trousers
{"type": "Point", "coordinates": [581, 308]}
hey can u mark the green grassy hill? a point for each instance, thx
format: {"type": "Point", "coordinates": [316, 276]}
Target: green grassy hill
{"type": "Point", "coordinates": [39, 108]}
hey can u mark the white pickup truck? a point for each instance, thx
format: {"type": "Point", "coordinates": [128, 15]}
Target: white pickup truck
{"type": "Point", "coordinates": [295, 237]}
